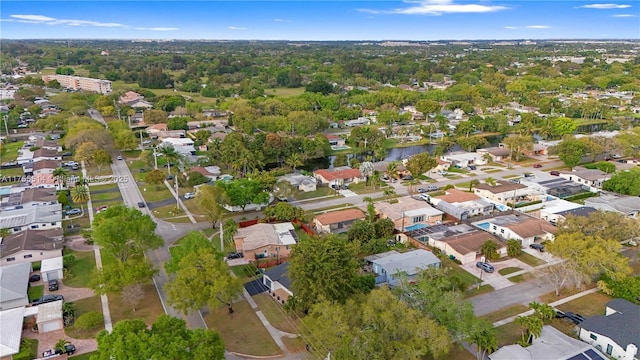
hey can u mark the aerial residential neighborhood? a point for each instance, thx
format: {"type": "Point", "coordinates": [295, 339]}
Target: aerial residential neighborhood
{"type": "Point", "coordinates": [324, 198]}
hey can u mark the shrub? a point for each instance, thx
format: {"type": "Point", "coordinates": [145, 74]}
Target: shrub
{"type": "Point", "coordinates": [89, 321]}
{"type": "Point", "coordinates": [513, 248]}
{"type": "Point", "coordinates": [68, 261]}
{"type": "Point", "coordinates": [36, 266]}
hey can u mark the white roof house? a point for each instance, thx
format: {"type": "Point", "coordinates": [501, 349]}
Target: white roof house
{"type": "Point", "coordinates": [14, 281]}
{"type": "Point", "coordinates": [11, 331]}
{"type": "Point", "coordinates": [389, 265]}
{"type": "Point", "coordinates": [463, 158]}
{"type": "Point", "coordinates": [184, 146]}
{"type": "Point", "coordinates": [35, 217]}
{"type": "Point", "coordinates": [49, 316]}
{"type": "Point", "coordinates": [52, 268]}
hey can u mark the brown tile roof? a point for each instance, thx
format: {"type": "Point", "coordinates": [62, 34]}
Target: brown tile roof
{"type": "Point", "coordinates": [45, 153]}
{"type": "Point", "coordinates": [32, 240]}
{"type": "Point", "coordinates": [471, 241]}
{"type": "Point", "coordinates": [331, 175]}
{"type": "Point", "coordinates": [37, 194]}
{"type": "Point", "coordinates": [532, 227]}
{"type": "Point", "coordinates": [46, 164]}
{"type": "Point", "coordinates": [500, 187]}
{"type": "Point", "coordinates": [457, 196]}
{"type": "Point", "coordinates": [339, 216]}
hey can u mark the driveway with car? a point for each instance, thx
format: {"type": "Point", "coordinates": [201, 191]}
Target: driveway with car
{"type": "Point", "coordinates": [494, 279]}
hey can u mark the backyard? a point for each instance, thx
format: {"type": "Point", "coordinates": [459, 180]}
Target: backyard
{"type": "Point", "coordinates": [80, 273]}
{"type": "Point", "coordinates": [148, 309]}
{"type": "Point", "coordinates": [83, 306]}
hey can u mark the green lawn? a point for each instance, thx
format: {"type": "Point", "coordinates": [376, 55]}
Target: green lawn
{"type": "Point", "coordinates": [12, 172]}
{"type": "Point", "coordinates": [588, 305]}
{"type": "Point", "coordinates": [242, 331]}
{"type": "Point", "coordinates": [10, 151]}
{"type": "Point", "coordinates": [103, 187]}
{"type": "Point", "coordinates": [284, 92]}
{"type": "Point", "coordinates": [467, 278]}
{"type": "Point", "coordinates": [35, 292]}
{"type": "Point", "coordinates": [81, 272]}
{"type": "Point", "coordinates": [155, 193]}
{"type": "Point", "coordinates": [244, 272]}
{"type": "Point", "coordinates": [505, 313]}
{"type": "Point", "coordinates": [148, 309]}
{"type": "Point", "coordinates": [363, 188]}
{"type": "Point", "coordinates": [508, 270]}
{"type": "Point", "coordinates": [520, 278]}
{"type": "Point", "coordinates": [530, 259]}
{"type": "Point", "coordinates": [508, 334]}
{"type": "Point", "coordinates": [106, 196]}
{"type": "Point", "coordinates": [28, 349]}
{"type": "Point", "coordinates": [320, 191]}
{"type": "Point", "coordinates": [103, 171]}
{"type": "Point", "coordinates": [276, 315]}
{"type": "Point", "coordinates": [84, 306]}
{"type": "Point", "coordinates": [478, 291]}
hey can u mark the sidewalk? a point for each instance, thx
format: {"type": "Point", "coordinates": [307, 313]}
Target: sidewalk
{"type": "Point", "coordinates": [177, 196]}
{"type": "Point", "coordinates": [96, 251]}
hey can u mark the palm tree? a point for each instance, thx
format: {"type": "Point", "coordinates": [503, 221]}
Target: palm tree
{"type": "Point", "coordinates": [294, 160]}
{"type": "Point", "coordinates": [61, 344]}
{"type": "Point", "coordinates": [490, 181]}
{"type": "Point", "coordinates": [487, 157]}
{"type": "Point", "coordinates": [60, 173]}
{"type": "Point", "coordinates": [389, 192]}
{"type": "Point", "coordinates": [80, 195]}
{"type": "Point", "coordinates": [392, 169]}
{"type": "Point", "coordinates": [170, 154]}
{"type": "Point", "coordinates": [473, 183]}
{"type": "Point", "coordinates": [366, 168]}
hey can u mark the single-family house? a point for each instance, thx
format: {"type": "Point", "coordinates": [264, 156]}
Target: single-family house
{"type": "Point", "coordinates": [461, 241]}
{"type": "Point", "coordinates": [156, 128]}
{"type": "Point", "coordinates": [551, 344]}
{"type": "Point", "coordinates": [528, 230]}
{"type": "Point", "coordinates": [391, 266]}
{"type": "Point", "coordinates": [46, 144]}
{"type": "Point", "coordinates": [463, 159]}
{"type": "Point", "coordinates": [184, 146]}
{"type": "Point", "coordinates": [335, 140]}
{"type": "Point", "coordinates": [45, 181]}
{"type": "Point", "coordinates": [11, 332]}
{"type": "Point", "coordinates": [301, 182]}
{"type": "Point", "coordinates": [276, 280]}
{"type": "Point", "coordinates": [14, 282]}
{"type": "Point", "coordinates": [46, 154]}
{"type": "Point", "coordinates": [581, 211]}
{"type": "Point", "coordinates": [497, 153]}
{"type": "Point", "coordinates": [593, 178]}
{"type": "Point", "coordinates": [337, 221]}
{"type": "Point", "coordinates": [409, 214]}
{"type": "Point", "coordinates": [213, 113]}
{"type": "Point", "coordinates": [130, 97]}
{"type": "Point", "coordinates": [504, 192]}
{"type": "Point", "coordinates": [210, 172]}
{"type": "Point", "coordinates": [551, 210]}
{"type": "Point", "coordinates": [34, 217]}
{"type": "Point", "coordinates": [265, 240]}
{"type": "Point", "coordinates": [616, 333]}
{"type": "Point", "coordinates": [461, 205]}
{"type": "Point", "coordinates": [42, 167]}
{"type": "Point", "coordinates": [31, 245]}
{"type": "Point", "coordinates": [626, 205]}
{"type": "Point", "coordinates": [338, 176]}
{"type": "Point", "coordinates": [556, 186]}
{"type": "Point", "coordinates": [361, 121]}
{"type": "Point", "coordinates": [141, 104]}
{"type": "Point", "coordinates": [52, 269]}
{"type": "Point", "coordinates": [29, 197]}
{"type": "Point", "coordinates": [49, 317]}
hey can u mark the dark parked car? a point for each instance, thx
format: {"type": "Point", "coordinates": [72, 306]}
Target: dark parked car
{"type": "Point", "coordinates": [485, 266]}
{"type": "Point", "coordinates": [69, 349]}
{"type": "Point", "coordinates": [170, 177]}
{"type": "Point", "coordinates": [554, 173]}
{"type": "Point", "coordinates": [34, 278]}
{"type": "Point", "coordinates": [575, 318]}
{"type": "Point", "coordinates": [407, 177]}
{"type": "Point", "coordinates": [47, 299]}
{"type": "Point", "coordinates": [537, 166]}
{"type": "Point", "coordinates": [234, 255]}
{"type": "Point", "coordinates": [538, 247]}
{"type": "Point", "coordinates": [54, 285]}
{"type": "Point", "coordinates": [141, 204]}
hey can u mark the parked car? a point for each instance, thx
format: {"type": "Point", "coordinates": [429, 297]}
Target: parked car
{"type": "Point", "coordinates": [75, 211]}
{"type": "Point", "coordinates": [69, 349]}
{"type": "Point", "coordinates": [119, 157]}
{"type": "Point", "coordinates": [421, 190]}
{"type": "Point", "coordinates": [554, 173]}
{"type": "Point", "coordinates": [234, 255]}
{"type": "Point", "coordinates": [141, 204]}
{"type": "Point", "coordinates": [575, 318]}
{"type": "Point", "coordinates": [47, 299]}
{"type": "Point", "coordinates": [34, 278]}
{"type": "Point", "coordinates": [189, 195]}
{"type": "Point", "coordinates": [170, 177]}
{"type": "Point", "coordinates": [102, 208]}
{"type": "Point", "coordinates": [537, 166]}
{"type": "Point", "coordinates": [54, 285]}
{"type": "Point", "coordinates": [538, 247]}
{"type": "Point", "coordinates": [471, 167]}
{"type": "Point", "coordinates": [485, 266]}
{"type": "Point", "coordinates": [407, 177]}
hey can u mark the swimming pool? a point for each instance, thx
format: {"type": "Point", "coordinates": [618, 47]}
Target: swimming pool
{"type": "Point", "coordinates": [5, 190]}
{"type": "Point", "coordinates": [415, 227]}
{"type": "Point", "coordinates": [484, 225]}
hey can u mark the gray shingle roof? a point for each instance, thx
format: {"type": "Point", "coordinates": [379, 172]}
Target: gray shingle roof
{"type": "Point", "coordinates": [14, 280]}
{"type": "Point", "coordinates": [622, 326]}
{"type": "Point", "coordinates": [280, 274]}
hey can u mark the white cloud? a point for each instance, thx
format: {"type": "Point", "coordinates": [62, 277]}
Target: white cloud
{"type": "Point", "coordinates": [438, 7]}
{"type": "Point", "coordinates": [511, 27]}
{"type": "Point", "coordinates": [624, 15]}
{"type": "Point", "coordinates": [46, 20]}
{"type": "Point", "coordinates": [237, 28]}
{"type": "Point", "coordinates": [604, 6]}
{"type": "Point", "coordinates": [538, 27]}
{"type": "Point", "coordinates": [282, 20]}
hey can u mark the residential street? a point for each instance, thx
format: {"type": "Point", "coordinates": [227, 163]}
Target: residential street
{"type": "Point", "coordinates": [522, 293]}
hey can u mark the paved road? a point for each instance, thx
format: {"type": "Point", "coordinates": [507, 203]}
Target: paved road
{"type": "Point", "coordinates": [95, 115]}
{"type": "Point", "coordinates": [522, 293]}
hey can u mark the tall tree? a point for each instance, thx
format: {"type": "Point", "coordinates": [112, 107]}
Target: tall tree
{"type": "Point", "coordinates": [125, 232]}
{"type": "Point", "coordinates": [202, 279]}
{"type": "Point", "coordinates": [115, 277]}
{"type": "Point", "coordinates": [209, 199]}
{"type": "Point", "coordinates": [60, 174]}
{"type": "Point", "coordinates": [167, 338]}
{"type": "Point", "coordinates": [80, 195]}
{"type": "Point", "coordinates": [323, 268]}
{"type": "Point", "coordinates": [531, 327]}
{"type": "Point", "coordinates": [170, 154]}
{"type": "Point", "coordinates": [518, 144]}
{"type": "Point", "coordinates": [101, 157]}
{"type": "Point", "coordinates": [421, 163]}
{"type": "Point", "coordinates": [570, 151]}
{"type": "Point", "coordinates": [605, 224]}
{"type": "Point", "coordinates": [243, 192]}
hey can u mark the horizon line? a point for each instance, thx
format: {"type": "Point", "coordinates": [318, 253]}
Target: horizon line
{"type": "Point", "coordinates": [336, 40]}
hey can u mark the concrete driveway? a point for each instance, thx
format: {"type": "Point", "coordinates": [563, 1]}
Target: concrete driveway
{"type": "Point", "coordinates": [494, 279]}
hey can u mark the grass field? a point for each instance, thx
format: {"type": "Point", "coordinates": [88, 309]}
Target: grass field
{"type": "Point", "coordinates": [551, 296]}
{"type": "Point", "coordinates": [284, 92]}
{"type": "Point", "coordinates": [242, 331]}
{"type": "Point", "coordinates": [35, 292]}
{"type": "Point", "coordinates": [28, 349]}
{"type": "Point", "coordinates": [10, 151]}
{"type": "Point", "coordinates": [508, 270]}
{"type": "Point", "coordinates": [12, 172]}
{"type": "Point", "coordinates": [478, 291]}
{"type": "Point", "coordinates": [530, 259]}
{"type": "Point", "coordinates": [148, 309]}
{"type": "Point", "coordinates": [321, 191]}
{"type": "Point", "coordinates": [153, 193]}
{"type": "Point", "coordinates": [508, 334]}
{"type": "Point", "coordinates": [588, 305]}
{"type": "Point", "coordinates": [505, 313]}
{"type": "Point", "coordinates": [295, 344]}
{"type": "Point", "coordinates": [84, 306]}
{"type": "Point", "coordinates": [81, 272]}
{"type": "Point", "coordinates": [467, 279]}
{"type": "Point", "coordinates": [276, 315]}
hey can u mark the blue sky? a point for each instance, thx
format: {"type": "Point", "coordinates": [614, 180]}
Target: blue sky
{"type": "Point", "coordinates": [320, 20]}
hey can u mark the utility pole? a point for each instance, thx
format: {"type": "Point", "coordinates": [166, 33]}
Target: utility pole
{"type": "Point", "coordinates": [155, 158]}
{"type": "Point", "coordinates": [6, 127]}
